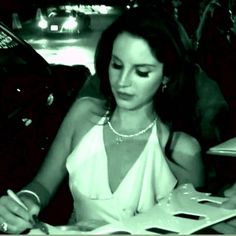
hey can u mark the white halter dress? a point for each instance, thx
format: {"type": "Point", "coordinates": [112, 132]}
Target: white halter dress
{"type": "Point", "coordinates": [148, 180]}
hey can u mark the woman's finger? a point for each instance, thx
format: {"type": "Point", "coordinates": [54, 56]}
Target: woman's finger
{"type": "Point", "coordinates": [9, 208]}
{"type": "Point", "coordinates": [13, 227]}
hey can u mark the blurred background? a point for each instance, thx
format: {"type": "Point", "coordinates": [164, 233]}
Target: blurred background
{"type": "Point", "coordinates": [62, 32]}
{"type": "Point", "coordinates": [66, 32]}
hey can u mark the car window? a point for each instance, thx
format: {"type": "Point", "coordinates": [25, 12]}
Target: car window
{"type": "Point", "coordinates": [8, 53]}
{"type": "Point", "coordinates": [13, 50]}
{"type": "Point", "coordinates": [6, 41]}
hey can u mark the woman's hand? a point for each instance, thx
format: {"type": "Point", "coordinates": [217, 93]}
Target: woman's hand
{"type": "Point", "coordinates": [229, 226]}
{"type": "Point", "coordinates": [14, 218]}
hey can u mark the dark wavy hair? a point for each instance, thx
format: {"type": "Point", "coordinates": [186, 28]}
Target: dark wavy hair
{"type": "Point", "coordinates": [160, 30]}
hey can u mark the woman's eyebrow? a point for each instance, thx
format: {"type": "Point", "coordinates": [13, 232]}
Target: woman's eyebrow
{"type": "Point", "coordinates": [136, 65]}
{"type": "Point", "coordinates": [116, 57]}
{"type": "Point", "coordinates": [145, 65]}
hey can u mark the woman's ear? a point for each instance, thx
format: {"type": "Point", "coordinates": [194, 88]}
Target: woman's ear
{"type": "Point", "coordinates": [165, 80]}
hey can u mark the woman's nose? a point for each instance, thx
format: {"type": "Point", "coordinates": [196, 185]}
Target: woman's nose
{"type": "Point", "coordinates": [125, 79]}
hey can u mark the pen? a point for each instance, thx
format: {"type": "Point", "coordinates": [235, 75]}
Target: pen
{"type": "Point", "coordinates": [14, 197]}
{"type": "Point", "coordinates": [37, 223]}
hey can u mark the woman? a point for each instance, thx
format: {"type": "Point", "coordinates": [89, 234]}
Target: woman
{"type": "Point", "coordinates": [126, 151]}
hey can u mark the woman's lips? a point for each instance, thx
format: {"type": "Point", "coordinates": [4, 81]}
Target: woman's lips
{"type": "Point", "coordinates": [124, 96]}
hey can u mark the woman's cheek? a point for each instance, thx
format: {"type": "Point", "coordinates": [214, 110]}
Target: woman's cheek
{"type": "Point", "coordinates": [113, 76]}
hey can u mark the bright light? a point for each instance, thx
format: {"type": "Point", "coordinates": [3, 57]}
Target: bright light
{"type": "Point", "coordinates": [70, 24]}
{"type": "Point", "coordinates": [71, 7]}
{"type": "Point", "coordinates": [69, 56]}
{"type": "Point", "coordinates": [103, 9]}
{"type": "Point", "coordinates": [43, 24]}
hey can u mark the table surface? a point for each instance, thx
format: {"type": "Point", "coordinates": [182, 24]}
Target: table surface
{"type": "Point", "coordinates": [227, 148]}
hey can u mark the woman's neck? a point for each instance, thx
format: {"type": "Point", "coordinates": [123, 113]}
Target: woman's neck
{"type": "Point", "coordinates": [132, 120]}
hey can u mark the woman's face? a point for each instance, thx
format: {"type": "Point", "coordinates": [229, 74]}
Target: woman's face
{"type": "Point", "coordinates": [135, 74]}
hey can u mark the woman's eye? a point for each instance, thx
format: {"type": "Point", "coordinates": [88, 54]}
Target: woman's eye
{"type": "Point", "coordinates": [116, 65]}
{"type": "Point", "coordinates": [142, 73]}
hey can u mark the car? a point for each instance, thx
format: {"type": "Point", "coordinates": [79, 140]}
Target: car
{"type": "Point", "coordinates": [61, 20]}
{"type": "Point", "coordinates": [34, 98]}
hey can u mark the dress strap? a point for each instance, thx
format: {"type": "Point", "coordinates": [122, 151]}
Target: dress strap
{"type": "Point", "coordinates": [103, 119]}
{"type": "Point", "coordinates": [168, 150]}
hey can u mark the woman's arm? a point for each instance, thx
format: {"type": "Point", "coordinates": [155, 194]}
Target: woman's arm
{"type": "Point", "coordinates": [38, 193]}
{"type": "Point", "coordinates": [53, 169]}
{"type": "Point", "coordinates": [187, 162]}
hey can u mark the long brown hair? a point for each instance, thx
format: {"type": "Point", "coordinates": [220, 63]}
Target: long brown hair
{"type": "Point", "coordinates": [161, 31]}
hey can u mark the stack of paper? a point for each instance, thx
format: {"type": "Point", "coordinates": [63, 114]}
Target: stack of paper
{"type": "Point", "coordinates": [183, 211]}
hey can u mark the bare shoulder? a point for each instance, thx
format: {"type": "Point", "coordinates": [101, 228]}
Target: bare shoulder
{"type": "Point", "coordinates": [183, 142]}
{"type": "Point", "coordinates": [90, 103]}
{"type": "Point", "coordinates": [187, 154]}
{"type": "Point", "coordinates": [82, 116]}
{"type": "Point", "coordinates": [86, 107]}
{"type": "Point", "coordinates": [185, 160]}
{"type": "Point", "coordinates": [186, 150]}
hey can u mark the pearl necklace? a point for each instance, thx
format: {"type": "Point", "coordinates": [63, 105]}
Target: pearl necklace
{"type": "Point", "coordinates": [121, 137]}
